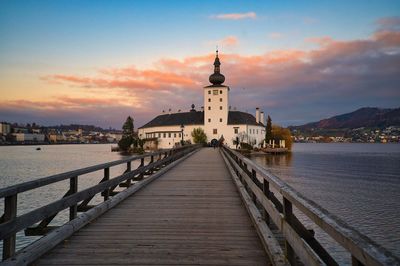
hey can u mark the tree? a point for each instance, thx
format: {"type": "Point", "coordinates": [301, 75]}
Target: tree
{"type": "Point", "coordinates": [127, 135]}
{"type": "Point", "coordinates": [124, 143]}
{"type": "Point", "coordinates": [281, 133]}
{"type": "Point", "coordinates": [268, 130]}
{"type": "Point", "coordinates": [127, 128]}
{"type": "Point", "coordinates": [199, 136]}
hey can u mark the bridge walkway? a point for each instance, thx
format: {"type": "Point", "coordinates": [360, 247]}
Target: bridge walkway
{"type": "Point", "coordinates": [192, 215]}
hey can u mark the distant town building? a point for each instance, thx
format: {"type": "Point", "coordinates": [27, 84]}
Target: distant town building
{"type": "Point", "coordinates": [5, 128]}
{"type": "Point", "coordinates": [28, 137]}
{"type": "Point", "coordinates": [56, 138]}
{"type": "Point", "coordinates": [216, 119]}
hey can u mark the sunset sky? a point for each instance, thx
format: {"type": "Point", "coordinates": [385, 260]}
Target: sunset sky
{"type": "Point", "coordinates": [96, 62]}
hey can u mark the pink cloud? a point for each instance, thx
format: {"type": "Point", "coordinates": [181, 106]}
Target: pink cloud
{"type": "Point", "coordinates": [236, 16]}
{"type": "Point", "coordinates": [229, 41]}
{"type": "Point", "coordinates": [342, 72]}
{"type": "Point", "coordinates": [279, 70]}
{"type": "Point", "coordinates": [389, 23]}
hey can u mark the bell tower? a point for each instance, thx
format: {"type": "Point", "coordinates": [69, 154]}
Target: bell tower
{"type": "Point", "coordinates": [216, 103]}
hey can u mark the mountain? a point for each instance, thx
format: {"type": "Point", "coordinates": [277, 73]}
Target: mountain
{"type": "Point", "coordinates": [364, 117]}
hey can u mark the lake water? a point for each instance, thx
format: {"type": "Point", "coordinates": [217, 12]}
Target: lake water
{"type": "Point", "coordinates": [360, 183]}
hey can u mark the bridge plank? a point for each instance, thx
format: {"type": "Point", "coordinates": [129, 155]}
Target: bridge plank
{"type": "Point", "coordinates": [191, 215]}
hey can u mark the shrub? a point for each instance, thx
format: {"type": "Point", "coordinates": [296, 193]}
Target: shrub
{"type": "Point", "coordinates": [245, 146]}
{"type": "Point", "coordinates": [199, 136]}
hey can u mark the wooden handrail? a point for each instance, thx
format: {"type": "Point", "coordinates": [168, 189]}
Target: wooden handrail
{"type": "Point", "coordinates": [44, 181]}
{"type": "Point", "coordinates": [10, 223]}
{"type": "Point", "coordinates": [362, 249]}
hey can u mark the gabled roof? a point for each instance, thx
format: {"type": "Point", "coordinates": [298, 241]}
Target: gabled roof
{"type": "Point", "coordinates": [240, 118]}
{"type": "Point", "coordinates": [197, 118]}
{"type": "Point", "coordinates": [187, 118]}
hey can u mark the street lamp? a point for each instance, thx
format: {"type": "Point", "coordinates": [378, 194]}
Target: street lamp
{"type": "Point", "coordinates": [182, 127]}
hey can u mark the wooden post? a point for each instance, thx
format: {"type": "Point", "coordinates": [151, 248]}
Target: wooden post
{"type": "Point", "coordinates": [151, 161]}
{"type": "Point", "coordinates": [141, 165]}
{"type": "Point", "coordinates": [253, 177]}
{"type": "Point", "coordinates": [266, 193]}
{"type": "Point", "coordinates": [355, 262]}
{"type": "Point", "coordinates": [10, 212]}
{"type": "Point", "coordinates": [106, 193]}
{"type": "Point", "coordinates": [128, 169]}
{"type": "Point", "coordinates": [287, 213]}
{"type": "Point", "coordinates": [73, 187]}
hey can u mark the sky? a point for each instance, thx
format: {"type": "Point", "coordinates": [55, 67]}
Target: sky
{"type": "Point", "coordinates": [96, 62]}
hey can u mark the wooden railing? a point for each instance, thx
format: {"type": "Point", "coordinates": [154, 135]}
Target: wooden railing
{"type": "Point", "coordinates": [74, 200]}
{"type": "Point", "coordinates": [300, 243]}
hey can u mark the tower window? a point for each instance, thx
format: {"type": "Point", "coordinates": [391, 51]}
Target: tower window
{"type": "Point", "coordinates": [215, 92]}
{"type": "Point", "coordinates": [209, 99]}
{"type": "Point", "coordinates": [220, 120]}
{"type": "Point", "coordinates": [220, 99]}
{"type": "Point", "coordinates": [220, 92]}
{"type": "Point", "coordinates": [236, 130]}
{"type": "Point", "coordinates": [174, 135]}
{"type": "Point", "coordinates": [164, 135]}
{"type": "Point", "coordinates": [215, 132]}
{"type": "Point", "coordinates": [209, 107]}
{"type": "Point", "coordinates": [169, 135]}
{"type": "Point", "coordinates": [209, 92]}
{"type": "Point", "coordinates": [209, 120]}
{"type": "Point", "coordinates": [220, 108]}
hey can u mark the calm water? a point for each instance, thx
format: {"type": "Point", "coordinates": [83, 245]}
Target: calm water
{"type": "Point", "coordinates": [360, 183]}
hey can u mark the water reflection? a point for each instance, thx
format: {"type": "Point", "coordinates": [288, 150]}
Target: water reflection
{"type": "Point", "coordinates": [273, 160]}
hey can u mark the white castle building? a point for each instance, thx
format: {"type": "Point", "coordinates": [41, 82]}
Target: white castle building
{"type": "Point", "coordinates": [216, 119]}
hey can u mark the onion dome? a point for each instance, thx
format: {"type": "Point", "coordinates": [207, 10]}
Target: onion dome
{"type": "Point", "coordinates": [217, 78]}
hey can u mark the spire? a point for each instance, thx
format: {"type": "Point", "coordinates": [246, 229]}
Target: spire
{"type": "Point", "coordinates": [217, 78]}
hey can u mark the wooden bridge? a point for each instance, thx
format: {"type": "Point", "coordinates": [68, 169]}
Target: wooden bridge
{"type": "Point", "coordinates": [205, 207]}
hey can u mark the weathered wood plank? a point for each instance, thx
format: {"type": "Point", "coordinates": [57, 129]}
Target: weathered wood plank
{"type": "Point", "coordinates": [274, 251]}
{"type": "Point", "coordinates": [186, 217]}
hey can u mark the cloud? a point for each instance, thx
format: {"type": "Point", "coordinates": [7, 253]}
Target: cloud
{"type": "Point", "coordinates": [236, 16]}
{"type": "Point", "coordinates": [290, 85]}
{"type": "Point", "coordinates": [127, 78]}
{"type": "Point", "coordinates": [227, 42]}
{"type": "Point", "coordinates": [389, 23]}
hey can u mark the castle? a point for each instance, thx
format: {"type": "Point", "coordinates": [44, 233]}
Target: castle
{"type": "Point", "coordinates": [216, 119]}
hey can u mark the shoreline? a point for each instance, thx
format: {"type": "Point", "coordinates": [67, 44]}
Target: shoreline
{"type": "Point", "coordinates": [51, 144]}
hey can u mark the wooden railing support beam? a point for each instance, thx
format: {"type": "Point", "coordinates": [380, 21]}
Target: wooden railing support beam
{"type": "Point", "coordinates": [287, 214]}
{"type": "Point", "coordinates": [73, 186]}
{"type": "Point", "coordinates": [10, 212]}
